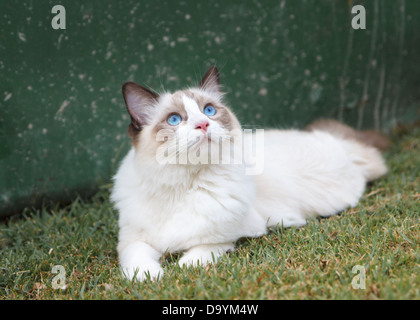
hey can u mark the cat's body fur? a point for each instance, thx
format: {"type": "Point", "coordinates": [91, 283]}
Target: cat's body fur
{"type": "Point", "coordinates": [204, 208]}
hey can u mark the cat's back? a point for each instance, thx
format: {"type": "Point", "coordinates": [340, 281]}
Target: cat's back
{"type": "Point", "coordinates": [289, 147]}
{"type": "Point", "coordinates": [303, 176]}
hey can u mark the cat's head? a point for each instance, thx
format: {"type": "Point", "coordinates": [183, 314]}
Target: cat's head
{"type": "Point", "coordinates": [187, 126]}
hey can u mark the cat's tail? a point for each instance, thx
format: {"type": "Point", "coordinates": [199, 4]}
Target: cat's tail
{"type": "Point", "coordinates": [368, 137]}
{"type": "Point", "coordinates": [363, 147]}
{"type": "Point", "coordinates": [368, 158]}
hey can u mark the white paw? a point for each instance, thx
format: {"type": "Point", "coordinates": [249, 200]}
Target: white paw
{"type": "Point", "coordinates": [189, 260]}
{"type": "Point", "coordinates": [142, 273]}
{"type": "Point", "coordinates": [140, 261]}
{"type": "Point", "coordinates": [204, 254]}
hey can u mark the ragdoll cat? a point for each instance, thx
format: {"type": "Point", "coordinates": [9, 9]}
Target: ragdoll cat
{"type": "Point", "coordinates": [170, 202]}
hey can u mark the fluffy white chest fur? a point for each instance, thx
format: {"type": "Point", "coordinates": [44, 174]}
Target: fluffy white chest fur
{"type": "Point", "coordinates": [203, 208]}
{"type": "Point", "coordinates": [176, 207]}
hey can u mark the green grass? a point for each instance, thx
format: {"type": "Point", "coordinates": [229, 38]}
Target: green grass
{"type": "Point", "coordinates": [381, 234]}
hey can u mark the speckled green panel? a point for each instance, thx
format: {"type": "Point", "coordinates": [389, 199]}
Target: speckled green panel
{"type": "Point", "coordinates": [283, 63]}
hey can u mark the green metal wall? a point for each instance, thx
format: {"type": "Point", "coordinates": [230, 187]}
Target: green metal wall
{"type": "Point", "coordinates": [284, 63]}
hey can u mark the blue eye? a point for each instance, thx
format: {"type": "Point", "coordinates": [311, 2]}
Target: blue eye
{"type": "Point", "coordinates": [209, 110]}
{"type": "Point", "coordinates": [174, 119]}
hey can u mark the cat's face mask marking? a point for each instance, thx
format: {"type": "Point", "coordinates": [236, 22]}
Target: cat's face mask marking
{"type": "Point", "coordinates": [187, 127]}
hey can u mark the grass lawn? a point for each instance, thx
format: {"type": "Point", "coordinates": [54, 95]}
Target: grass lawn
{"type": "Point", "coordinates": [382, 235]}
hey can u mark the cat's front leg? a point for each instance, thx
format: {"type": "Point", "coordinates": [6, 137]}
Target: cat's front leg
{"type": "Point", "coordinates": [204, 254]}
{"type": "Point", "coordinates": [139, 260]}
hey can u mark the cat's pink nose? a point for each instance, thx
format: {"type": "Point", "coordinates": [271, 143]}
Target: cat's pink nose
{"type": "Point", "coordinates": [202, 125]}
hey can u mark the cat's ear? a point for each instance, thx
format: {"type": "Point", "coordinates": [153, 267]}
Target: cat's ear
{"type": "Point", "coordinates": [211, 81]}
{"type": "Point", "coordinates": [140, 102]}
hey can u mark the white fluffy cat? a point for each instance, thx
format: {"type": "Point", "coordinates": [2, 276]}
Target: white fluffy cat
{"type": "Point", "coordinates": [203, 207]}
